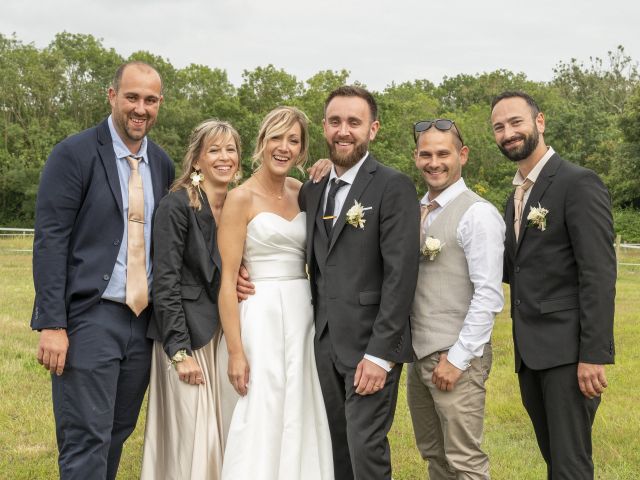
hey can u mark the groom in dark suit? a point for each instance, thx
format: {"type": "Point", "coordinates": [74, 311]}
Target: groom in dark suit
{"type": "Point", "coordinates": [560, 263]}
{"type": "Point", "coordinates": [92, 272]}
{"type": "Point", "coordinates": [362, 254]}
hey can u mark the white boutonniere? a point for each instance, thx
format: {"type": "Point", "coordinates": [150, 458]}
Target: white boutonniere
{"type": "Point", "coordinates": [432, 247]}
{"type": "Point", "coordinates": [538, 217]}
{"type": "Point", "coordinates": [180, 356]}
{"type": "Point", "coordinates": [355, 215]}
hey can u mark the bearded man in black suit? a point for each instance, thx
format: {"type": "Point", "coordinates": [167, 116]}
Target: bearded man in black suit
{"type": "Point", "coordinates": [362, 255]}
{"type": "Point", "coordinates": [561, 266]}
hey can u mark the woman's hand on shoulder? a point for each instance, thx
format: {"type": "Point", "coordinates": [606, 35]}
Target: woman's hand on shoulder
{"type": "Point", "coordinates": [318, 170]}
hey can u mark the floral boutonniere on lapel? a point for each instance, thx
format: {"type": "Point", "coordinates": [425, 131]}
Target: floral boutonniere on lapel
{"type": "Point", "coordinates": [432, 247]}
{"type": "Point", "coordinates": [538, 217]}
{"type": "Point", "coordinates": [355, 215]}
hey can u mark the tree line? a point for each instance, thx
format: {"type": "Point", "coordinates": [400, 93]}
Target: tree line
{"type": "Point", "coordinates": [592, 111]}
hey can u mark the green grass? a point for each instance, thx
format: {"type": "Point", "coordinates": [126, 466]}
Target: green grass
{"type": "Point", "coordinates": [28, 442]}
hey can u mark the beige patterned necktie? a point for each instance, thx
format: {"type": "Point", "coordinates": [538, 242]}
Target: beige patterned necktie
{"type": "Point", "coordinates": [426, 210]}
{"type": "Point", "coordinates": [137, 293]}
{"type": "Point", "coordinates": [519, 205]}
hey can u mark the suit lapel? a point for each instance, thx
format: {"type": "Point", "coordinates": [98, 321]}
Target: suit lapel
{"type": "Point", "coordinates": [509, 215]}
{"type": "Point", "coordinates": [108, 158]}
{"type": "Point", "coordinates": [364, 176]}
{"type": "Point", "coordinates": [156, 176]}
{"type": "Point", "coordinates": [537, 192]}
{"type": "Point", "coordinates": [314, 206]}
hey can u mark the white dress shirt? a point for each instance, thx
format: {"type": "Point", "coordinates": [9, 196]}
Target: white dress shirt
{"type": "Point", "coordinates": [349, 176]}
{"type": "Point", "coordinates": [341, 195]}
{"type": "Point", "coordinates": [533, 176]}
{"type": "Point", "coordinates": [480, 234]}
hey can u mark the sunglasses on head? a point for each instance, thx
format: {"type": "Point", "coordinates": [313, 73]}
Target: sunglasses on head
{"type": "Point", "coordinates": [441, 124]}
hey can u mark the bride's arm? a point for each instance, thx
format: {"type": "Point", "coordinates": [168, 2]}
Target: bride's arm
{"type": "Point", "coordinates": [231, 236]}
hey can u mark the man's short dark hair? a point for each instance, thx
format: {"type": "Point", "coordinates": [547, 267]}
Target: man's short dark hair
{"type": "Point", "coordinates": [117, 78]}
{"type": "Point", "coordinates": [354, 91]}
{"type": "Point", "coordinates": [533, 106]}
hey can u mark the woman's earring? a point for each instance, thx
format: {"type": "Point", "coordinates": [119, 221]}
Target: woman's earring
{"type": "Point", "coordinates": [196, 178]}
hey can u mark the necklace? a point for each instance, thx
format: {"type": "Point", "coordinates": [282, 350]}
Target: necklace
{"type": "Point", "coordinates": [278, 195]}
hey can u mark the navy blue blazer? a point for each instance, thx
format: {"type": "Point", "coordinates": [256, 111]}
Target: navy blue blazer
{"type": "Point", "coordinates": [186, 274]}
{"type": "Point", "coordinates": [79, 223]}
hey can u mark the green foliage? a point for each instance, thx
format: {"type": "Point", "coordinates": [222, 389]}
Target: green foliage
{"type": "Point", "coordinates": [592, 113]}
{"type": "Point", "coordinates": [627, 224]}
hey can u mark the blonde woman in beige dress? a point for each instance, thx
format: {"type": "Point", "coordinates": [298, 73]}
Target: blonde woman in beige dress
{"type": "Point", "coordinates": [183, 436]}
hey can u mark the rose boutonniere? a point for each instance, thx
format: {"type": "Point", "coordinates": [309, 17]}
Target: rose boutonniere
{"type": "Point", "coordinates": [538, 217]}
{"type": "Point", "coordinates": [355, 215]}
{"type": "Point", "coordinates": [432, 247]}
{"type": "Point", "coordinates": [180, 356]}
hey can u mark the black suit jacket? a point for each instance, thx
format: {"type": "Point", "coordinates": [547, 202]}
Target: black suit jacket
{"type": "Point", "coordinates": [186, 274]}
{"type": "Point", "coordinates": [563, 278]}
{"type": "Point", "coordinates": [369, 274]}
{"type": "Point", "coordinates": [79, 223]}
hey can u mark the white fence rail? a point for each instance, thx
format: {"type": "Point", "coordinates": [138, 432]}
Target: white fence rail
{"type": "Point", "coordinates": [28, 232]}
{"type": "Point", "coordinates": [15, 232]}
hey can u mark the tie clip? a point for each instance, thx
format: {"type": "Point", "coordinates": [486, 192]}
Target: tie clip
{"type": "Point", "coordinates": [329, 217]}
{"type": "Point", "coordinates": [136, 220]}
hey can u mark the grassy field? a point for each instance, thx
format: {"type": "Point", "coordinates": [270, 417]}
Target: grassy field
{"type": "Point", "coordinates": [28, 446]}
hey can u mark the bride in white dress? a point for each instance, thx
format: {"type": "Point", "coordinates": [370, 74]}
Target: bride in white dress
{"type": "Point", "coordinates": [279, 428]}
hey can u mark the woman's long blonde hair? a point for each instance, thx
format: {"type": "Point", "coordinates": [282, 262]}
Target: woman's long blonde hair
{"type": "Point", "coordinates": [202, 136]}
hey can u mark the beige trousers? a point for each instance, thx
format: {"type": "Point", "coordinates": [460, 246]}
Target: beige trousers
{"type": "Point", "coordinates": [448, 425]}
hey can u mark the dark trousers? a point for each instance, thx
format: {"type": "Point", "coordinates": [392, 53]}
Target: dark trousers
{"type": "Point", "coordinates": [97, 399]}
{"type": "Point", "coordinates": [358, 424]}
{"type": "Point", "coordinates": [562, 418]}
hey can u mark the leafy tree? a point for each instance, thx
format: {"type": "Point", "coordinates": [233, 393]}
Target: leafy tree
{"type": "Point", "coordinates": [592, 111]}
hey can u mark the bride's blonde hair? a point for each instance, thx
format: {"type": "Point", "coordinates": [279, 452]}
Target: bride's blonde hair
{"type": "Point", "coordinates": [278, 122]}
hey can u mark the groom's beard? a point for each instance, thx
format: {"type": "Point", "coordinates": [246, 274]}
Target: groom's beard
{"type": "Point", "coordinates": [349, 160]}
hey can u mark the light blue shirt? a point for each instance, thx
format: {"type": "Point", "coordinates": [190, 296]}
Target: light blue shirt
{"type": "Point", "coordinates": [116, 289]}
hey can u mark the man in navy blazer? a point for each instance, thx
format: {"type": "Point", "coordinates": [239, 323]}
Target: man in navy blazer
{"type": "Point", "coordinates": [561, 266]}
{"type": "Point", "coordinates": [93, 344]}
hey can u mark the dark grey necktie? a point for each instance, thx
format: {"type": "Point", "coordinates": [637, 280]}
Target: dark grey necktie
{"type": "Point", "coordinates": [329, 213]}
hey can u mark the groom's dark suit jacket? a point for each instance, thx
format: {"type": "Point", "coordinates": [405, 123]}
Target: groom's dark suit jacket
{"type": "Point", "coordinates": [563, 278]}
{"type": "Point", "coordinates": [369, 275]}
{"type": "Point", "coordinates": [79, 223]}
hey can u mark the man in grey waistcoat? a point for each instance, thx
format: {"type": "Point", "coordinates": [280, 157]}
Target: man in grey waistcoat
{"type": "Point", "coordinates": [458, 294]}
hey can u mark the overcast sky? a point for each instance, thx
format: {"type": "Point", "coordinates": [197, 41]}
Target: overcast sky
{"type": "Point", "coordinates": [378, 41]}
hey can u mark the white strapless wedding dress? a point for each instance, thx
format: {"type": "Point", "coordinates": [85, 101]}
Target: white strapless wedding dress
{"type": "Point", "coordinates": [279, 430]}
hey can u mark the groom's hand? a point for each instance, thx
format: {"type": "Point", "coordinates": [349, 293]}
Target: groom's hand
{"type": "Point", "coordinates": [370, 378]}
{"type": "Point", "coordinates": [244, 287]}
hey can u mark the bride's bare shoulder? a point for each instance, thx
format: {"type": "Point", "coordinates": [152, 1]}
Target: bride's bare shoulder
{"type": "Point", "coordinates": [293, 184]}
